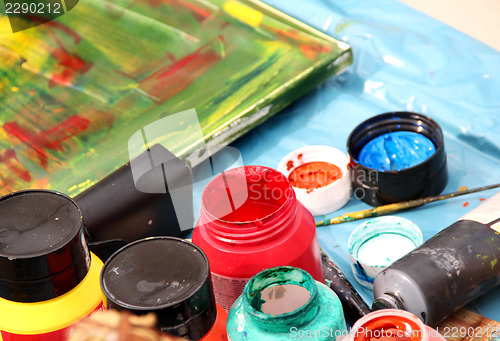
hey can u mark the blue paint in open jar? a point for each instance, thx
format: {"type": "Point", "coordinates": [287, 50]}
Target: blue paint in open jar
{"type": "Point", "coordinates": [397, 156]}
{"type": "Point", "coordinates": [396, 151]}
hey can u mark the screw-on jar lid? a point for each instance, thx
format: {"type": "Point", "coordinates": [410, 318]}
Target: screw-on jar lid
{"type": "Point", "coordinates": [165, 275]}
{"type": "Point", "coordinates": [43, 253]}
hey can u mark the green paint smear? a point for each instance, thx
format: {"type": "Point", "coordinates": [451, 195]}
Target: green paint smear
{"type": "Point", "coordinates": [73, 91]}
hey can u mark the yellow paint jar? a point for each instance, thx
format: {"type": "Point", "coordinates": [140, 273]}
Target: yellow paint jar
{"type": "Point", "coordinates": [48, 278]}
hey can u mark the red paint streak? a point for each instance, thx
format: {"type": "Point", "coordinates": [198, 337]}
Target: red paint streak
{"type": "Point", "coordinates": [178, 66]}
{"type": "Point", "coordinates": [49, 138]}
{"type": "Point", "coordinates": [289, 165]}
{"type": "Point", "coordinates": [313, 175]}
{"type": "Point", "coordinates": [202, 14]}
{"type": "Point", "coordinates": [76, 37]}
{"type": "Point", "coordinates": [69, 128]}
{"type": "Point", "coordinates": [311, 51]}
{"type": "Point", "coordinates": [171, 57]}
{"type": "Point", "coordinates": [307, 51]}
{"type": "Point", "coordinates": [10, 155]}
{"type": "Point", "coordinates": [170, 80]}
{"type": "Point", "coordinates": [466, 204]}
{"type": "Point", "coordinates": [482, 199]}
{"type": "Point", "coordinates": [54, 24]}
{"type": "Point", "coordinates": [7, 184]}
{"type": "Point", "coordinates": [286, 34]}
{"type": "Point", "coordinates": [70, 64]}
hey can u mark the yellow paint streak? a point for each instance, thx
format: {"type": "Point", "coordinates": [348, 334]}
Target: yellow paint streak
{"type": "Point", "coordinates": [85, 183]}
{"type": "Point", "coordinates": [5, 27]}
{"type": "Point", "coordinates": [243, 13]}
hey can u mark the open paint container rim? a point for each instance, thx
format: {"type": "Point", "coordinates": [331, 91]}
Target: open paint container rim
{"type": "Point", "coordinates": [248, 175]}
{"type": "Point", "coordinates": [385, 225]}
{"type": "Point", "coordinates": [330, 197]}
{"type": "Point", "coordinates": [380, 186]}
{"type": "Point", "coordinates": [368, 130]}
{"type": "Point", "coordinates": [268, 279]}
{"type": "Point", "coordinates": [367, 251]}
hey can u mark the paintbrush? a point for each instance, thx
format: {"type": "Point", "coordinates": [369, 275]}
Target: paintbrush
{"type": "Point", "coordinates": [399, 206]}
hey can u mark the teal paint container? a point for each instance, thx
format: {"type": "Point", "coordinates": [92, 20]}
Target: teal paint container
{"type": "Point", "coordinates": [286, 303]}
{"type": "Point", "coordinates": [377, 243]}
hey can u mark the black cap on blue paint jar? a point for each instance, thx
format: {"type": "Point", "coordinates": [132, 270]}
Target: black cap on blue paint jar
{"type": "Point", "coordinates": [167, 276]}
{"type": "Point", "coordinates": [376, 187]}
{"type": "Point", "coordinates": [43, 252]}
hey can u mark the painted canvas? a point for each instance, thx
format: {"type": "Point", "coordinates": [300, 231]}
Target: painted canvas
{"type": "Point", "coordinates": [75, 89]}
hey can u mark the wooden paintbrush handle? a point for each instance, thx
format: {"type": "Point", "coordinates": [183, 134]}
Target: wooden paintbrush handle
{"type": "Point", "coordinates": [466, 325]}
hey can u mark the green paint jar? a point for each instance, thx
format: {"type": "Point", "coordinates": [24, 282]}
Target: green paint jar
{"type": "Point", "coordinates": [286, 303]}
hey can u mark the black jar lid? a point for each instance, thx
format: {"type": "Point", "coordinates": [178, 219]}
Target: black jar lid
{"type": "Point", "coordinates": [165, 275]}
{"type": "Point", "coordinates": [376, 187]}
{"type": "Point", "coordinates": [43, 252]}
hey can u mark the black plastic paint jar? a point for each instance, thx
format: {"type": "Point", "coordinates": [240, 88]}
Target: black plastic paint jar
{"type": "Point", "coordinates": [48, 278]}
{"type": "Point", "coordinates": [379, 187]}
{"type": "Point", "coordinates": [169, 277]}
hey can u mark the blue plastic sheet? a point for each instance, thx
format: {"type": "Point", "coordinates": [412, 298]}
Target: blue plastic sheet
{"type": "Point", "coordinates": [404, 60]}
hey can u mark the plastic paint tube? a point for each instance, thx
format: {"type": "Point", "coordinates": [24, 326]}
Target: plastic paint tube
{"type": "Point", "coordinates": [448, 271]}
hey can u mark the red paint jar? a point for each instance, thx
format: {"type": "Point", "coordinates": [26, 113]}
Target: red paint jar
{"type": "Point", "coordinates": [250, 221]}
